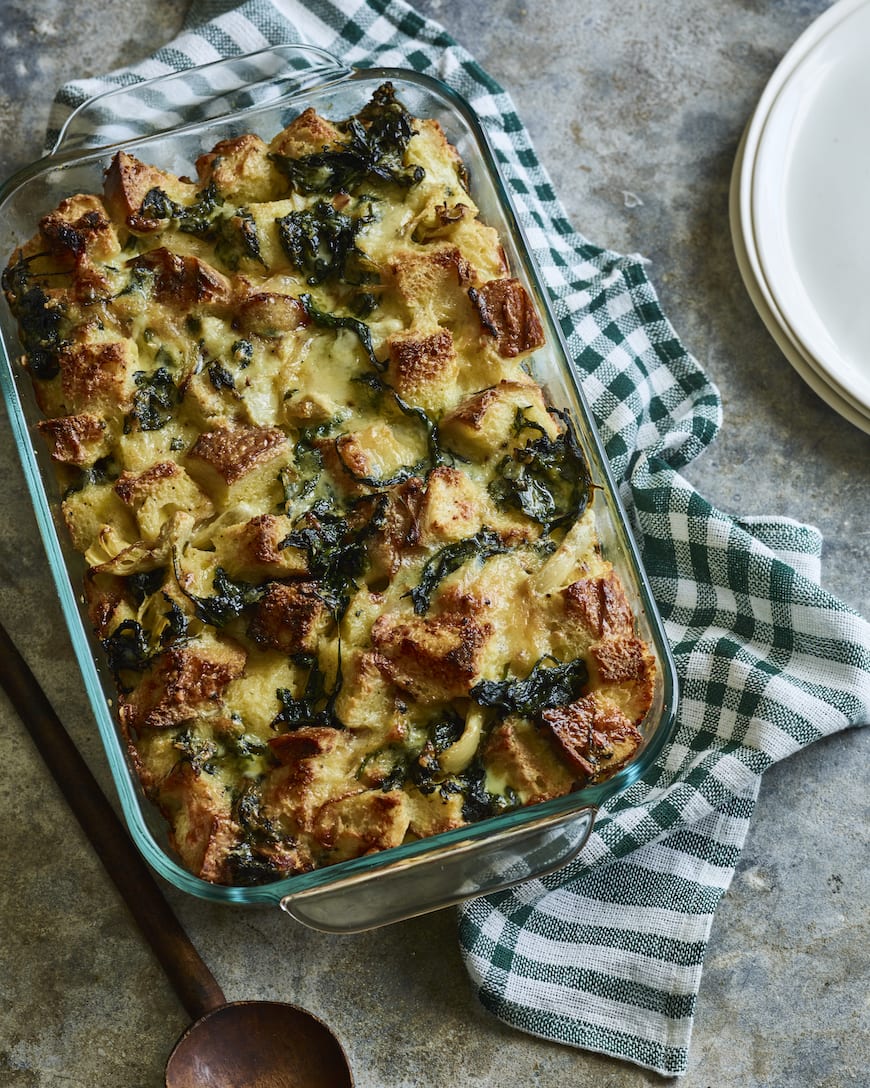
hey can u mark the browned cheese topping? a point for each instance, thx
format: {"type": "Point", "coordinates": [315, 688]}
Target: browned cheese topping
{"type": "Point", "coordinates": [340, 551]}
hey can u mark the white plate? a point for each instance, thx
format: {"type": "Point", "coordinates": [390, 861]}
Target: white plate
{"type": "Point", "coordinates": [809, 196]}
{"type": "Point", "coordinates": [759, 293]}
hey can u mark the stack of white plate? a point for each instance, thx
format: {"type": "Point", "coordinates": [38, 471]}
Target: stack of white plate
{"type": "Point", "coordinates": [800, 208]}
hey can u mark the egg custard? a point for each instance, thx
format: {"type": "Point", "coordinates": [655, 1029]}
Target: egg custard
{"type": "Point", "coordinates": [340, 550]}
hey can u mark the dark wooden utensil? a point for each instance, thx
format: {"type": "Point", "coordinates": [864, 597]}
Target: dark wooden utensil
{"type": "Point", "coordinates": [242, 1044]}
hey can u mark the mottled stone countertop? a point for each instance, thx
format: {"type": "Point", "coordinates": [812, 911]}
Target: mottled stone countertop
{"type": "Point", "coordinates": [636, 109]}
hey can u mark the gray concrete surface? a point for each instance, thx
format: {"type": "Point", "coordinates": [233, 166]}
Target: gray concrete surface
{"type": "Point", "coordinates": [621, 98]}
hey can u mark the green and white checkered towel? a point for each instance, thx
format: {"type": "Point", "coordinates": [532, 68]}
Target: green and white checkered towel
{"type": "Point", "coordinates": [606, 955]}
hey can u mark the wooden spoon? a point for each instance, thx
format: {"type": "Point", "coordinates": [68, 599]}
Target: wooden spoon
{"type": "Point", "coordinates": [242, 1044]}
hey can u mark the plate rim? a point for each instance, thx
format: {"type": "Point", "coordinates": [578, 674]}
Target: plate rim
{"type": "Point", "coordinates": [766, 309]}
{"type": "Point", "coordinates": [850, 383]}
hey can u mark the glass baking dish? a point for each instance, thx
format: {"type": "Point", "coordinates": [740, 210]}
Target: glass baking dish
{"type": "Point", "coordinates": [186, 114]}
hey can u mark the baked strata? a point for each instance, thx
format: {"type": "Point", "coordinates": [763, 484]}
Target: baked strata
{"type": "Point", "coordinates": [340, 550]}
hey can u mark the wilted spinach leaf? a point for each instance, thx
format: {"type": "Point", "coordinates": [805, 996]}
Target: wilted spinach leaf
{"type": "Point", "coordinates": [195, 218]}
{"type": "Point", "coordinates": [335, 552]}
{"type": "Point", "coordinates": [321, 243]}
{"type": "Point", "coordinates": [481, 546]}
{"type": "Point", "coordinates": [545, 686]}
{"type": "Point", "coordinates": [250, 861]}
{"type": "Point", "coordinates": [547, 479]}
{"type": "Point", "coordinates": [176, 623]}
{"type": "Point", "coordinates": [155, 397]}
{"type": "Point", "coordinates": [235, 238]}
{"type": "Point", "coordinates": [143, 583]}
{"type": "Point", "coordinates": [230, 599]}
{"type": "Point", "coordinates": [316, 704]}
{"type": "Point", "coordinates": [374, 151]}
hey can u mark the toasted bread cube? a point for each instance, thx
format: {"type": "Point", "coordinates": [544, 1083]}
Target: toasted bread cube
{"type": "Point", "coordinates": [489, 422]}
{"type": "Point", "coordinates": [451, 508]}
{"type": "Point", "coordinates": [290, 618]}
{"type": "Point", "coordinates": [433, 281]}
{"type": "Point", "coordinates": [233, 463]}
{"type": "Point", "coordinates": [368, 701]}
{"type": "Point", "coordinates": [75, 440]}
{"type": "Point", "coordinates": [253, 549]}
{"type": "Point", "coordinates": [600, 605]}
{"type": "Point", "coordinates": [423, 367]}
{"type": "Point", "coordinates": [159, 492]}
{"type": "Point", "coordinates": [519, 757]}
{"type": "Point", "coordinates": [128, 181]}
{"type": "Point", "coordinates": [183, 282]}
{"type": "Point", "coordinates": [97, 512]}
{"type": "Point", "coordinates": [181, 682]}
{"type": "Point", "coordinates": [97, 378]}
{"type": "Point", "coordinates": [397, 534]}
{"type": "Point", "coordinates": [78, 227]}
{"type": "Point", "coordinates": [107, 603]}
{"type": "Point", "coordinates": [315, 763]}
{"type": "Point", "coordinates": [241, 168]}
{"type": "Point", "coordinates": [203, 830]}
{"type": "Point", "coordinates": [456, 223]}
{"type": "Point", "coordinates": [362, 822]}
{"type": "Point", "coordinates": [357, 461]}
{"type": "Point", "coordinates": [508, 314]}
{"type": "Point", "coordinates": [623, 670]}
{"type": "Point", "coordinates": [593, 737]}
{"type": "Point", "coordinates": [307, 134]}
{"type": "Point", "coordinates": [253, 695]}
{"type": "Point", "coordinates": [434, 658]}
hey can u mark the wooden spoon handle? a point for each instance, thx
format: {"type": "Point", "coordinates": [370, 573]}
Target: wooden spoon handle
{"type": "Point", "coordinates": [190, 977]}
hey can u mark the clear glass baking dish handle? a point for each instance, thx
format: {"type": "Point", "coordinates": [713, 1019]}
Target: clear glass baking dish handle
{"type": "Point", "coordinates": [180, 100]}
{"type": "Point", "coordinates": [457, 871]}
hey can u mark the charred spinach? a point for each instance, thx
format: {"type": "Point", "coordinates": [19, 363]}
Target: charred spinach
{"type": "Point", "coordinates": [127, 648]}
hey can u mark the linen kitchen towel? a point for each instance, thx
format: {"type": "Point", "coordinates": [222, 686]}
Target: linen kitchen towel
{"type": "Point", "coordinates": [607, 954]}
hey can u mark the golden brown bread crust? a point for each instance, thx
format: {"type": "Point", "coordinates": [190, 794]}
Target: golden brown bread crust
{"type": "Point", "coordinates": [76, 439]}
{"type": "Point", "coordinates": [334, 535]}
{"type": "Point", "coordinates": [508, 314]}
{"type": "Point", "coordinates": [290, 618]}
{"type": "Point", "coordinates": [589, 736]}
{"type": "Point", "coordinates": [180, 682]}
{"type": "Point", "coordinates": [431, 659]}
{"type": "Point", "coordinates": [129, 181]}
